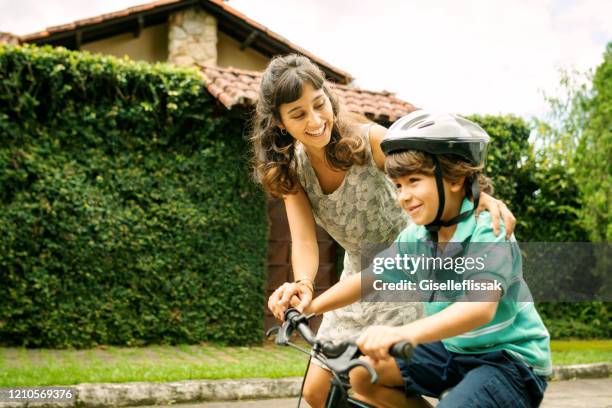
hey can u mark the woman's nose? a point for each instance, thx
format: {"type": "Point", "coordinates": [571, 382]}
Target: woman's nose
{"type": "Point", "coordinates": [314, 120]}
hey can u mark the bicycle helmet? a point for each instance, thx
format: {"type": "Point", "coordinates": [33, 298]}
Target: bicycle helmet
{"type": "Point", "coordinates": [440, 133]}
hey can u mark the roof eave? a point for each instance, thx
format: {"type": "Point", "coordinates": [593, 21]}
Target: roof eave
{"type": "Point", "coordinates": [243, 29]}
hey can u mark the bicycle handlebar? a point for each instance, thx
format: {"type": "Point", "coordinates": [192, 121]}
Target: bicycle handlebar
{"type": "Point", "coordinates": [402, 349]}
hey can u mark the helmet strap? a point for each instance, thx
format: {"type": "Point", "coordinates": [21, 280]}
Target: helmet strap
{"type": "Point", "coordinates": [473, 191]}
{"type": "Point", "coordinates": [435, 226]}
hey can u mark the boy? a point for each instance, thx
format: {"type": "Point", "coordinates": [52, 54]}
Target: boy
{"type": "Point", "coordinates": [487, 347]}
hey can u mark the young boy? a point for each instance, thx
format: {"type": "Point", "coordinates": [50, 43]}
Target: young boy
{"type": "Point", "coordinates": [492, 351]}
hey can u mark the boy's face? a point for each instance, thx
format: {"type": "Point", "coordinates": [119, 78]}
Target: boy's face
{"type": "Point", "coordinates": [417, 194]}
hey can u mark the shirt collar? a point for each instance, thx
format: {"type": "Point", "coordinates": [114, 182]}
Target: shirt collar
{"type": "Point", "coordinates": [464, 228]}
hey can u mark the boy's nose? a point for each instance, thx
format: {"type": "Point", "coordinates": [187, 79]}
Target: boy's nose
{"type": "Point", "coordinates": [404, 195]}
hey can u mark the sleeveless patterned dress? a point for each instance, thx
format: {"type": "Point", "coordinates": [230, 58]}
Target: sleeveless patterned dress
{"type": "Point", "coordinates": [361, 212]}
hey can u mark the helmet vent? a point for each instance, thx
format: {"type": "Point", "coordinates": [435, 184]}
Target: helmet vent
{"type": "Point", "coordinates": [425, 124]}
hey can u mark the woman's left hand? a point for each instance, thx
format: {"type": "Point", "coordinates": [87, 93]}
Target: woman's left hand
{"type": "Point", "coordinates": [376, 341]}
{"type": "Point", "coordinates": [498, 210]}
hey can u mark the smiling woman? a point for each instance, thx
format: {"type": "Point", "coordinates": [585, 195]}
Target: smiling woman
{"type": "Point", "coordinates": [300, 108]}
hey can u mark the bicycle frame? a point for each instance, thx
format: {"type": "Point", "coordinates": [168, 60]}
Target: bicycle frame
{"type": "Point", "coordinates": [338, 396]}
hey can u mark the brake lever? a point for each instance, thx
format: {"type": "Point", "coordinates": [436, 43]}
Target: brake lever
{"type": "Point", "coordinates": [284, 332]}
{"type": "Point", "coordinates": [361, 363]}
{"type": "Point", "coordinates": [272, 330]}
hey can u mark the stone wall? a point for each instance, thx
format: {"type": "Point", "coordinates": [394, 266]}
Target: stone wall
{"type": "Point", "coordinates": [8, 38]}
{"type": "Point", "coordinates": [192, 37]}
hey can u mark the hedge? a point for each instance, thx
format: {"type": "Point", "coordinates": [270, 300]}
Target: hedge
{"type": "Point", "coordinates": [126, 208]}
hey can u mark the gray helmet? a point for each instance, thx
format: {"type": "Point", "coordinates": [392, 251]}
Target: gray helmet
{"type": "Point", "coordinates": [437, 133]}
{"type": "Point", "coordinates": [440, 133]}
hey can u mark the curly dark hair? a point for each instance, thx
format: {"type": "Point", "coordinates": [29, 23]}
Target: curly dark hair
{"type": "Point", "coordinates": [273, 153]}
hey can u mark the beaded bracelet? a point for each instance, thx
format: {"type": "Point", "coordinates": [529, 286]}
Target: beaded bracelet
{"type": "Point", "coordinates": [308, 282]}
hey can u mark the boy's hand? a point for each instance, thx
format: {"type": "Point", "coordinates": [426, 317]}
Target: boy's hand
{"type": "Point", "coordinates": [376, 341]}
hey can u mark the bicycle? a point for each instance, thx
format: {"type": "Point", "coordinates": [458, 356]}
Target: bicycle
{"type": "Point", "coordinates": [339, 358]}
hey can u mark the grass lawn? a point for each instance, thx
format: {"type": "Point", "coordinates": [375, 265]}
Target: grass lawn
{"type": "Point", "coordinates": [24, 367]}
{"type": "Point", "coordinates": [581, 351]}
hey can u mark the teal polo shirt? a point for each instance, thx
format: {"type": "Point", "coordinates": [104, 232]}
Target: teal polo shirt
{"type": "Point", "coordinates": [517, 327]}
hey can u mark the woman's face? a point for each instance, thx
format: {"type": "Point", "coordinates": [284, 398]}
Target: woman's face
{"type": "Point", "coordinates": [310, 118]}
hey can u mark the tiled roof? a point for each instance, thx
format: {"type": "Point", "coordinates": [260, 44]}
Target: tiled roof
{"type": "Point", "coordinates": [96, 20]}
{"type": "Point", "coordinates": [8, 38]}
{"type": "Point", "coordinates": [232, 18]}
{"type": "Point", "coordinates": [238, 87]}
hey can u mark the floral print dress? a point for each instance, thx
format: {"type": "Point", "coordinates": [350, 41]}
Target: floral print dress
{"type": "Point", "coordinates": [360, 214]}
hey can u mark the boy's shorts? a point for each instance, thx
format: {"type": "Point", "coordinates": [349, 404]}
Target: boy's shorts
{"type": "Point", "coordinates": [477, 380]}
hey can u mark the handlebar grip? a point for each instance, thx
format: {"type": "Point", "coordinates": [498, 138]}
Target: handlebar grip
{"type": "Point", "coordinates": [402, 349]}
{"type": "Point", "coordinates": [291, 313]}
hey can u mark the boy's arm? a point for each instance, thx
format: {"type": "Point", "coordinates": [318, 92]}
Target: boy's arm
{"type": "Point", "coordinates": [458, 318]}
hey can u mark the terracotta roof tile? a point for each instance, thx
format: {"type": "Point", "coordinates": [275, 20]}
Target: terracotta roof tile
{"type": "Point", "coordinates": [238, 87]}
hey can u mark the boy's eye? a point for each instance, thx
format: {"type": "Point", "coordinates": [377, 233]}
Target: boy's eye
{"type": "Point", "coordinates": [398, 185]}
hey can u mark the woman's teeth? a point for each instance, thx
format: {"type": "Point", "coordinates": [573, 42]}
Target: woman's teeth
{"type": "Point", "coordinates": [317, 132]}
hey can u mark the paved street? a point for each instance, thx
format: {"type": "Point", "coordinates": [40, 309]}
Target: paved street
{"type": "Point", "coordinates": [560, 394]}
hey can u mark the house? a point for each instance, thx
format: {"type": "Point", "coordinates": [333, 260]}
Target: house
{"type": "Point", "coordinates": [231, 51]}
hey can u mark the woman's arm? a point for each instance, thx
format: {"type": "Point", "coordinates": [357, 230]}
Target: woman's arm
{"type": "Point", "coordinates": [343, 293]}
{"type": "Point", "coordinates": [377, 133]}
{"type": "Point", "coordinates": [304, 254]}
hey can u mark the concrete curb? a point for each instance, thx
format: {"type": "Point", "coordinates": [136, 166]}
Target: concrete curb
{"type": "Point", "coordinates": [569, 372]}
{"type": "Point", "coordinates": [143, 393]}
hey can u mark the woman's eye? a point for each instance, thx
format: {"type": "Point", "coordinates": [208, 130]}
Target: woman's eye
{"type": "Point", "coordinates": [300, 116]}
{"type": "Point", "coordinates": [320, 106]}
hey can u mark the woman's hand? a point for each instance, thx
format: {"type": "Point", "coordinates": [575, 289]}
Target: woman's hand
{"type": "Point", "coordinates": [296, 295]}
{"type": "Point", "coordinates": [376, 341]}
{"type": "Point", "coordinates": [498, 210]}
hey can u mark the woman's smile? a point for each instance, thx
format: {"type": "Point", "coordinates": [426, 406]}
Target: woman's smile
{"type": "Point", "coordinates": [317, 132]}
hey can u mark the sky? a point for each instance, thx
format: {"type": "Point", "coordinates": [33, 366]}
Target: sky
{"type": "Point", "coordinates": [461, 56]}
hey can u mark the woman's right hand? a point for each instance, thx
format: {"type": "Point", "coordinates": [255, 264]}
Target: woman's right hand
{"type": "Point", "coordinates": [281, 299]}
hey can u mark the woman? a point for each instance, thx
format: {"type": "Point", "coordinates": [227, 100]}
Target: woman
{"type": "Point", "coordinates": [327, 165]}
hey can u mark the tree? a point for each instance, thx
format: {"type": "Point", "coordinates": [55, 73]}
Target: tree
{"type": "Point", "coordinates": [577, 135]}
{"type": "Point", "coordinates": [593, 157]}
